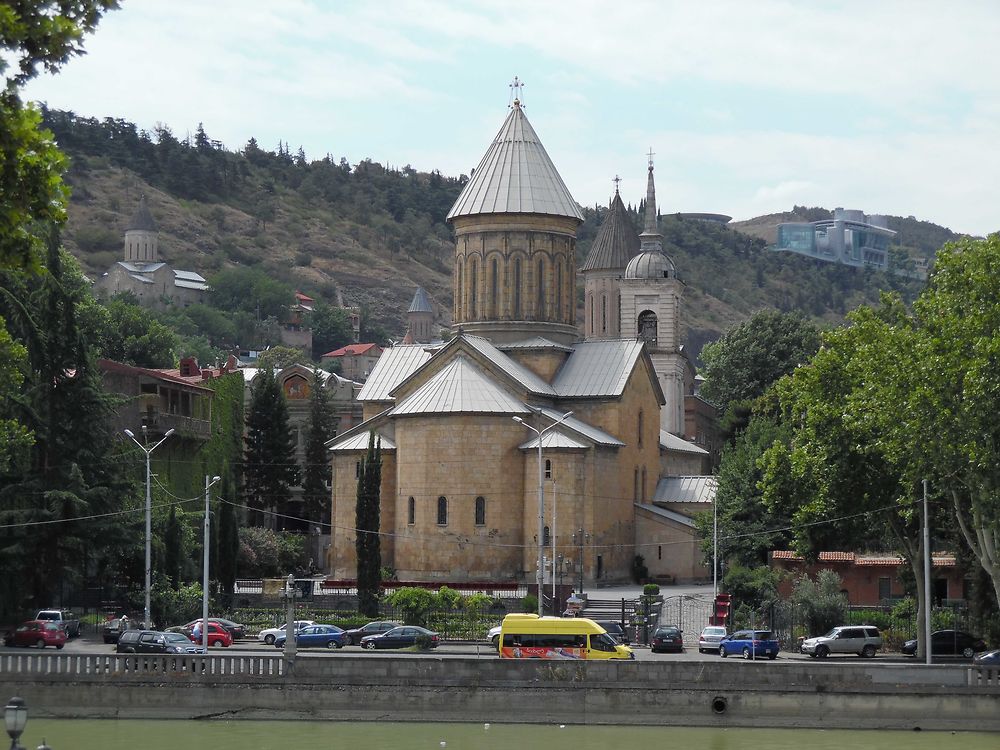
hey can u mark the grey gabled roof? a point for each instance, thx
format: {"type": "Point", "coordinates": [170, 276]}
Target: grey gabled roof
{"type": "Point", "coordinates": [692, 489]}
{"type": "Point", "coordinates": [516, 176]}
{"type": "Point", "coordinates": [141, 267]}
{"type": "Point", "coordinates": [421, 302]}
{"type": "Point", "coordinates": [142, 219]}
{"type": "Point", "coordinates": [460, 386]}
{"type": "Point", "coordinates": [535, 342]}
{"type": "Point", "coordinates": [597, 368]}
{"type": "Point", "coordinates": [359, 442]}
{"type": "Point", "coordinates": [668, 514]}
{"type": "Point", "coordinates": [524, 377]}
{"type": "Point", "coordinates": [395, 365]}
{"type": "Point", "coordinates": [596, 434]}
{"type": "Point", "coordinates": [553, 439]}
{"type": "Point", "coordinates": [671, 442]}
{"type": "Point", "coordinates": [616, 241]}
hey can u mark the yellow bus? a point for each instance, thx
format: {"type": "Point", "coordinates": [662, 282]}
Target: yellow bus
{"type": "Point", "coordinates": [524, 636]}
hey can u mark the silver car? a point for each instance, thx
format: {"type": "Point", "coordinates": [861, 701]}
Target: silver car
{"type": "Point", "coordinates": [710, 637]}
{"type": "Point", "coordinates": [863, 640]}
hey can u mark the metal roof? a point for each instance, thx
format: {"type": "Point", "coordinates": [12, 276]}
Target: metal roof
{"type": "Point", "coordinates": [395, 365]}
{"type": "Point", "coordinates": [140, 267]}
{"type": "Point", "coordinates": [421, 302]}
{"type": "Point", "coordinates": [595, 434]}
{"type": "Point", "coordinates": [693, 489]}
{"type": "Point", "coordinates": [597, 368]}
{"type": "Point", "coordinates": [189, 276]}
{"type": "Point", "coordinates": [535, 342]}
{"type": "Point", "coordinates": [616, 241]}
{"type": "Point", "coordinates": [460, 386]}
{"type": "Point", "coordinates": [516, 176]}
{"type": "Point", "coordinates": [650, 265]}
{"type": "Point", "coordinates": [359, 442]}
{"type": "Point", "coordinates": [671, 442]}
{"type": "Point", "coordinates": [524, 377]}
{"type": "Point", "coordinates": [142, 219]}
{"type": "Point", "coordinates": [669, 514]}
{"type": "Point", "coordinates": [140, 278]}
{"type": "Point", "coordinates": [201, 286]}
{"type": "Point", "coordinates": [551, 440]}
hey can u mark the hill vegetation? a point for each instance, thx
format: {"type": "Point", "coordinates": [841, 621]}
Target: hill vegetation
{"type": "Point", "coordinates": [367, 235]}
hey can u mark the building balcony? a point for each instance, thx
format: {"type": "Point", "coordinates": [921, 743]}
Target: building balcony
{"type": "Point", "coordinates": [158, 422]}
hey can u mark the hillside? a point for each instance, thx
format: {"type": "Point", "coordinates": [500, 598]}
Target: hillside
{"type": "Point", "coordinates": [367, 235]}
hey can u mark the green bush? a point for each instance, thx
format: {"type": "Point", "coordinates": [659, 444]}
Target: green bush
{"type": "Point", "coordinates": [269, 554]}
{"type": "Point", "coordinates": [423, 642]}
{"type": "Point", "coordinates": [650, 589]}
{"type": "Point", "coordinates": [415, 602]}
{"type": "Point", "coordinates": [821, 601]}
{"type": "Point", "coordinates": [529, 603]}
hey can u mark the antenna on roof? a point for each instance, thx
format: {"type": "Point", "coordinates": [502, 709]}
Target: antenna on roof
{"type": "Point", "coordinates": [516, 95]}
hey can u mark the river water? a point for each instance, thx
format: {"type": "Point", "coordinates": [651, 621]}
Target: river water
{"type": "Point", "coordinates": [284, 735]}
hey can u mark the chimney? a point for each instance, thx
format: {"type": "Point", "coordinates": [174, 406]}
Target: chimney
{"type": "Point", "coordinates": [189, 367]}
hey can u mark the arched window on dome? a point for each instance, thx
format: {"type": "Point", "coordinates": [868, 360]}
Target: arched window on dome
{"type": "Point", "coordinates": [411, 511]}
{"type": "Point", "coordinates": [604, 314]}
{"type": "Point", "coordinates": [540, 289]}
{"type": "Point", "coordinates": [442, 511]}
{"type": "Point", "coordinates": [559, 283]}
{"type": "Point", "coordinates": [494, 289]}
{"type": "Point", "coordinates": [473, 290]}
{"type": "Point", "coordinates": [647, 327]}
{"type": "Point", "coordinates": [517, 289]}
{"type": "Point", "coordinates": [590, 305]}
{"type": "Point", "coordinates": [460, 289]}
{"type": "Point", "coordinates": [480, 511]}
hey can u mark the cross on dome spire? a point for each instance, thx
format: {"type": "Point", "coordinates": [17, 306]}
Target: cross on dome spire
{"type": "Point", "coordinates": [515, 92]}
{"type": "Point", "coordinates": [616, 180]}
{"type": "Point", "coordinates": [651, 239]}
{"type": "Point", "coordinates": [651, 155]}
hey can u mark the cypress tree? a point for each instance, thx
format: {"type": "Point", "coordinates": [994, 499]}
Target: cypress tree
{"type": "Point", "coordinates": [315, 487]}
{"type": "Point", "coordinates": [172, 553]}
{"type": "Point", "coordinates": [228, 540]}
{"type": "Point", "coordinates": [269, 466]}
{"type": "Point", "coordinates": [368, 544]}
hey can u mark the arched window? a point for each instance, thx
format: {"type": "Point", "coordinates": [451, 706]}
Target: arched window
{"type": "Point", "coordinates": [473, 289]}
{"type": "Point", "coordinates": [604, 313]}
{"type": "Point", "coordinates": [494, 289]}
{"type": "Point", "coordinates": [639, 427]}
{"type": "Point", "coordinates": [548, 468]}
{"type": "Point", "coordinates": [460, 288]}
{"type": "Point", "coordinates": [643, 484]}
{"type": "Point", "coordinates": [540, 286]}
{"type": "Point", "coordinates": [635, 485]}
{"type": "Point", "coordinates": [647, 327]}
{"type": "Point", "coordinates": [442, 511]}
{"type": "Point", "coordinates": [590, 304]}
{"type": "Point", "coordinates": [559, 283]}
{"type": "Point", "coordinates": [546, 539]}
{"type": "Point", "coordinates": [480, 511]}
{"type": "Point", "coordinates": [517, 289]}
{"type": "Point", "coordinates": [411, 511]}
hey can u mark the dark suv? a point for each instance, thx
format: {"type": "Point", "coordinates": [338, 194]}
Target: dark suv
{"type": "Point", "coordinates": [144, 642]}
{"type": "Point", "coordinates": [615, 630]}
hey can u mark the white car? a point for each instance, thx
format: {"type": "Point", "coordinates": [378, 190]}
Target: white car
{"type": "Point", "coordinates": [494, 636]}
{"type": "Point", "coordinates": [710, 638]}
{"type": "Point", "coordinates": [271, 634]}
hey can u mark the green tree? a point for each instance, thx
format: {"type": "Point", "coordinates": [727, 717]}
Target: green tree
{"type": "Point", "coordinates": [269, 468]}
{"type": "Point", "coordinates": [318, 473]}
{"type": "Point", "coordinates": [822, 601]}
{"type": "Point", "coordinates": [173, 548]}
{"type": "Point", "coordinates": [745, 362]}
{"type": "Point", "coordinates": [228, 539]}
{"type": "Point", "coordinates": [131, 334]}
{"type": "Point", "coordinates": [368, 542]}
{"type": "Point", "coordinates": [251, 290]}
{"type": "Point", "coordinates": [331, 327]}
{"type": "Point", "coordinates": [278, 357]}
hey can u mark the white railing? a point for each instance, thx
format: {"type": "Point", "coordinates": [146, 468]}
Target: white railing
{"type": "Point", "coordinates": [99, 666]}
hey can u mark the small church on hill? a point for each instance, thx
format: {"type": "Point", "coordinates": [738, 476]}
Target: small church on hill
{"type": "Point", "coordinates": [153, 282]}
{"type": "Point", "coordinates": [459, 423]}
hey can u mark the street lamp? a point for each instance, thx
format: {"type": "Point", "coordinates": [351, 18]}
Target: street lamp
{"type": "Point", "coordinates": [147, 622]}
{"type": "Point", "coordinates": [204, 583]}
{"type": "Point", "coordinates": [540, 573]}
{"type": "Point", "coordinates": [15, 716]}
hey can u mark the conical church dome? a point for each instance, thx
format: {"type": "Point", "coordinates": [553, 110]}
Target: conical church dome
{"type": "Point", "coordinates": [616, 241]}
{"type": "Point", "coordinates": [516, 176]}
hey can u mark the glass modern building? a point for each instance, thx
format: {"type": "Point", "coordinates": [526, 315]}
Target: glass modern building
{"type": "Point", "coordinates": [850, 238]}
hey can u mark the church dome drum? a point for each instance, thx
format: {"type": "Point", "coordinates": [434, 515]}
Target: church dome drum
{"type": "Point", "coordinates": [650, 265]}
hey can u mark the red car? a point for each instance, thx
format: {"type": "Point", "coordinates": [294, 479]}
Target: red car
{"type": "Point", "coordinates": [217, 635]}
{"type": "Point", "coordinates": [39, 633]}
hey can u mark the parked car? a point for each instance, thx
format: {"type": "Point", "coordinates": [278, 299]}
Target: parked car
{"type": "Point", "coordinates": [949, 643]}
{"type": "Point", "coordinates": [750, 644]}
{"type": "Point", "coordinates": [987, 658]}
{"type": "Point", "coordinates": [863, 640]}
{"type": "Point", "coordinates": [710, 638]}
{"type": "Point", "coordinates": [217, 635]}
{"type": "Point", "coordinates": [111, 630]}
{"type": "Point", "coordinates": [615, 630]}
{"type": "Point", "coordinates": [269, 635]}
{"type": "Point", "coordinates": [315, 636]}
{"type": "Point", "coordinates": [354, 636]}
{"type": "Point", "coordinates": [403, 636]}
{"type": "Point", "coordinates": [40, 633]}
{"type": "Point", "coordinates": [494, 636]}
{"type": "Point", "coordinates": [143, 642]}
{"type": "Point", "coordinates": [235, 629]}
{"type": "Point", "coordinates": [66, 619]}
{"type": "Point", "coordinates": [667, 638]}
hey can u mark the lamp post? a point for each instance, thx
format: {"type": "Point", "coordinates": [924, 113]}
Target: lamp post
{"type": "Point", "coordinates": [580, 537]}
{"type": "Point", "coordinates": [147, 622]}
{"type": "Point", "coordinates": [204, 580]}
{"type": "Point", "coordinates": [715, 549]}
{"type": "Point", "coordinates": [15, 716]}
{"type": "Point", "coordinates": [540, 573]}
{"type": "Point", "coordinates": [554, 494]}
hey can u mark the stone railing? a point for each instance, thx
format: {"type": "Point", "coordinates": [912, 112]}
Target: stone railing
{"type": "Point", "coordinates": [235, 668]}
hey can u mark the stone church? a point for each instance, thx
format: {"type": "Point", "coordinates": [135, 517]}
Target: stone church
{"type": "Point", "coordinates": [459, 422]}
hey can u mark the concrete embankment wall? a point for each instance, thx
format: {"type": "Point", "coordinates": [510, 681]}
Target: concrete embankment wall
{"type": "Point", "coordinates": [430, 688]}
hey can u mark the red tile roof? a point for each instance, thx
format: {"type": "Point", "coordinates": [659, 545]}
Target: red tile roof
{"type": "Point", "coordinates": [940, 559]}
{"type": "Point", "coordinates": [352, 349]}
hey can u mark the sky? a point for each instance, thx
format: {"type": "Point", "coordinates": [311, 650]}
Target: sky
{"type": "Point", "coordinates": [750, 107]}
